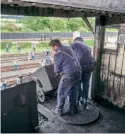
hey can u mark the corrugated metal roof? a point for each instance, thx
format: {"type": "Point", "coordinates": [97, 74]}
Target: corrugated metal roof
{"type": "Point", "coordinates": [114, 10]}
{"type": "Point", "coordinates": [112, 6]}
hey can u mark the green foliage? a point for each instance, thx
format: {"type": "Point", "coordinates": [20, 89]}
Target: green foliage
{"type": "Point", "coordinates": [59, 25]}
{"type": "Point", "coordinates": [74, 24]}
{"type": "Point", "coordinates": [70, 41]}
{"type": "Point", "coordinates": [3, 45]}
{"type": "Point", "coordinates": [11, 27]}
{"type": "Point", "coordinates": [44, 24]}
{"type": "Point", "coordinates": [25, 44]}
{"type": "Point", "coordinates": [89, 42]}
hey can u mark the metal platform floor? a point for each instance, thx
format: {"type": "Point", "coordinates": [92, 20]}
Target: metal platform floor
{"type": "Point", "coordinates": [110, 121]}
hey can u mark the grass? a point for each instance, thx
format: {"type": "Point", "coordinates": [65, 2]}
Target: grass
{"type": "Point", "coordinates": [27, 47]}
{"type": "Point", "coordinates": [23, 50]}
{"type": "Point", "coordinates": [89, 42]}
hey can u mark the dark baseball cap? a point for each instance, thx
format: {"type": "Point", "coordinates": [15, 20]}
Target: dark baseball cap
{"type": "Point", "coordinates": [78, 39]}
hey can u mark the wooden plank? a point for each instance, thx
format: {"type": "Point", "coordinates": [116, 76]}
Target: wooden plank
{"type": "Point", "coordinates": [98, 47]}
{"type": "Point", "coordinates": [43, 110]}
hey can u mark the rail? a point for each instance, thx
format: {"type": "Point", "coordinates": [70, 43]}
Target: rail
{"type": "Point", "coordinates": [21, 67]}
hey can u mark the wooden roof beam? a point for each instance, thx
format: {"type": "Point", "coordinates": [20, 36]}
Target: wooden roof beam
{"type": "Point", "coordinates": [88, 24]}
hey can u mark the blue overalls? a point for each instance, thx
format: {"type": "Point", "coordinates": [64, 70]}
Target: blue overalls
{"type": "Point", "coordinates": [47, 60]}
{"type": "Point", "coordinates": [33, 57]}
{"type": "Point", "coordinates": [71, 76]}
{"type": "Point", "coordinates": [4, 86]}
{"type": "Point", "coordinates": [19, 48]}
{"type": "Point", "coordinates": [85, 58]}
{"type": "Point", "coordinates": [7, 48]}
{"type": "Point", "coordinates": [47, 52]}
{"type": "Point", "coordinates": [15, 67]}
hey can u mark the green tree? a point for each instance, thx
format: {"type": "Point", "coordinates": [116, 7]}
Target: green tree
{"type": "Point", "coordinates": [74, 24]}
{"type": "Point", "coordinates": [11, 27]}
{"type": "Point", "coordinates": [59, 25]}
{"type": "Point", "coordinates": [45, 24]}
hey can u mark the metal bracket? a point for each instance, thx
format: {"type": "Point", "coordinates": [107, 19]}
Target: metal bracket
{"type": "Point", "coordinates": [88, 24]}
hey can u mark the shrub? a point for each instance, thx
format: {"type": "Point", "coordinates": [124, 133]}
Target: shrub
{"type": "Point", "coordinates": [3, 45]}
{"type": "Point", "coordinates": [43, 44]}
{"type": "Point", "coordinates": [11, 27]}
{"type": "Point", "coordinates": [25, 44]}
{"type": "Point", "coordinates": [70, 41]}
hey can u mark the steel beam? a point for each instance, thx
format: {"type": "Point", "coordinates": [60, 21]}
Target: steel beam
{"type": "Point", "coordinates": [88, 24]}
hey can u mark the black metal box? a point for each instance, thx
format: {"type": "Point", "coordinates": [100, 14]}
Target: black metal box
{"type": "Point", "coordinates": [19, 109]}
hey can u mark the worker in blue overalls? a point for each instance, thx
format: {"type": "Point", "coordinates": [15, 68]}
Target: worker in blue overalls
{"type": "Point", "coordinates": [33, 56]}
{"type": "Point", "coordinates": [15, 65]}
{"type": "Point", "coordinates": [19, 48]}
{"type": "Point", "coordinates": [47, 51]}
{"type": "Point", "coordinates": [48, 60]}
{"type": "Point", "coordinates": [66, 66]}
{"type": "Point", "coordinates": [3, 85]}
{"type": "Point", "coordinates": [87, 62]}
{"type": "Point", "coordinates": [7, 48]}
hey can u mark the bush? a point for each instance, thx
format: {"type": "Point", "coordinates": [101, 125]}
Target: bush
{"type": "Point", "coordinates": [26, 30]}
{"type": "Point", "coordinates": [3, 45]}
{"type": "Point", "coordinates": [70, 41]}
{"type": "Point", "coordinates": [43, 44]}
{"type": "Point", "coordinates": [25, 44]}
{"type": "Point", "coordinates": [89, 42]}
{"type": "Point", "coordinates": [44, 24]}
{"type": "Point", "coordinates": [11, 27]}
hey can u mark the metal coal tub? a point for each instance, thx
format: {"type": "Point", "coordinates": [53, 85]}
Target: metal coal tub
{"type": "Point", "coordinates": [45, 79]}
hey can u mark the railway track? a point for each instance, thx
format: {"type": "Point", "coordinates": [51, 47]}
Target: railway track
{"type": "Point", "coordinates": [11, 80]}
{"type": "Point", "coordinates": [7, 60]}
{"type": "Point", "coordinates": [21, 67]}
{"type": "Point", "coordinates": [10, 77]}
{"type": "Point", "coordinates": [17, 55]}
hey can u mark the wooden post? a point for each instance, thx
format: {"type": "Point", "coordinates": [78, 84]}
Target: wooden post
{"type": "Point", "coordinates": [97, 53]}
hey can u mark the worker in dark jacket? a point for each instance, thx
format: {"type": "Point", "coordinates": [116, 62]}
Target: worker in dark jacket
{"type": "Point", "coordinates": [87, 63]}
{"type": "Point", "coordinates": [65, 65]}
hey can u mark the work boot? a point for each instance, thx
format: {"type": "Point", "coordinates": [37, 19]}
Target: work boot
{"type": "Point", "coordinates": [84, 103]}
{"type": "Point", "coordinates": [77, 103]}
{"type": "Point", "coordinates": [57, 112]}
{"type": "Point", "coordinates": [73, 110]}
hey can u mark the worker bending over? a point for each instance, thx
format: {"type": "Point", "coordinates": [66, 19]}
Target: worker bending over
{"type": "Point", "coordinates": [66, 66]}
{"type": "Point", "coordinates": [87, 63]}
